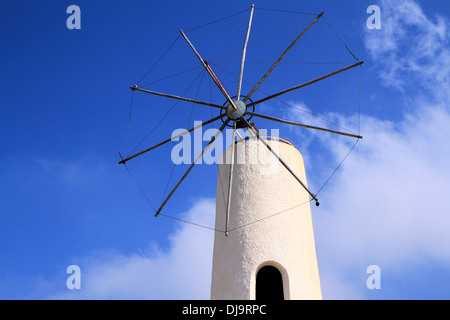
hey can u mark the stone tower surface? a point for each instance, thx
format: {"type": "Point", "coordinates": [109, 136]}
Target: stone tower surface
{"type": "Point", "coordinates": [269, 224]}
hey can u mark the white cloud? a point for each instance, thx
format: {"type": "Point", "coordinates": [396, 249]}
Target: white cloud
{"type": "Point", "coordinates": [391, 193]}
{"type": "Point", "coordinates": [388, 205]}
{"type": "Point", "coordinates": [411, 48]}
{"type": "Point", "coordinates": [182, 272]}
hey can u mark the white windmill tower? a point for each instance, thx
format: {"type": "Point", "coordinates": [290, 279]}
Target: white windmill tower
{"type": "Point", "coordinates": [258, 254]}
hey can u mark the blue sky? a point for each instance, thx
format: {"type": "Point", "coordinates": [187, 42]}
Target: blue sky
{"type": "Point", "coordinates": [65, 102]}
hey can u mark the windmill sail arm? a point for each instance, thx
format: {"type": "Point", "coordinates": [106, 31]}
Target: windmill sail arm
{"type": "Point", "coordinates": [230, 180]}
{"type": "Point", "coordinates": [178, 97]}
{"type": "Point", "coordinates": [123, 161]}
{"type": "Point", "coordinates": [192, 166]}
{"type": "Point", "coordinates": [281, 57]}
{"type": "Point", "coordinates": [244, 51]}
{"type": "Point", "coordinates": [209, 70]}
{"type": "Point", "coordinates": [305, 84]}
{"type": "Point", "coordinates": [303, 125]}
{"type": "Point", "coordinates": [255, 132]}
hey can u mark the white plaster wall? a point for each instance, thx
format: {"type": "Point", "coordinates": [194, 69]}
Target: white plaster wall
{"type": "Point", "coordinates": [270, 223]}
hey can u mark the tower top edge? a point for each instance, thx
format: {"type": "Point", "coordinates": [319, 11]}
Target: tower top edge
{"type": "Point", "coordinates": [265, 138]}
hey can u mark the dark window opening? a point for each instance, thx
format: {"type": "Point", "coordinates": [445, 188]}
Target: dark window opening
{"type": "Point", "coordinates": [269, 284]}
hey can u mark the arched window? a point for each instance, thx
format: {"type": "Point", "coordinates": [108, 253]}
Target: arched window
{"type": "Point", "coordinates": [269, 284]}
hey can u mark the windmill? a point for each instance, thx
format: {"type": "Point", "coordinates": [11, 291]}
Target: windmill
{"type": "Point", "coordinates": [235, 268]}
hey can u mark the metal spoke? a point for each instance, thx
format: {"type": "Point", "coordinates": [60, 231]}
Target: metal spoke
{"type": "Point", "coordinates": [280, 58]}
{"type": "Point", "coordinates": [230, 180]}
{"type": "Point", "coordinates": [210, 71]}
{"type": "Point", "coordinates": [178, 97]}
{"type": "Point", "coordinates": [192, 166]}
{"type": "Point", "coordinates": [172, 138]}
{"type": "Point", "coordinates": [302, 125]}
{"type": "Point", "coordinates": [232, 113]}
{"type": "Point", "coordinates": [255, 132]}
{"type": "Point", "coordinates": [244, 51]}
{"type": "Point", "coordinates": [304, 84]}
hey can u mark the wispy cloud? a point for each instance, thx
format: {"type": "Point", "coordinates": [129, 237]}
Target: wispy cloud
{"type": "Point", "coordinates": [411, 48]}
{"type": "Point", "coordinates": [388, 205]}
{"type": "Point", "coordinates": [181, 272]}
{"type": "Point", "coordinates": [72, 173]}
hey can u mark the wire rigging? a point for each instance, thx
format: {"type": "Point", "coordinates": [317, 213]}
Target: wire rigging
{"type": "Point", "coordinates": [287, 11]}
{"type": "Point", "coordinates": [288, 104]}
{"type": "Point", "coordinates": [165, 116]}
{"type": "Point", "coordinates": [158, 60]}
{"type": "Point", "coordinates": [269, 216]}
{"type": "Point", "coordinates": [262, 39]}
{"type": "Point", "coordinates": [139, 187]}
{"type": "Point", "coordinates": [340, 39]}
{"type": "Point", "coordinates": [337, 168]}
{"type": "Point", "coordinates": [285, 63]}
{"type": "Point", "coordinates": [190, 222]}
{"type": "Point", "coordinates": [170, 76]}
{"type": "Point", "coordinates": [218, 20]}
{"type": "Point", "coordinates": [215, 63]}
{"type": "Point", "coordinates": [128, 125]}
{"type": "Point", "coordinates": [359, 102]}
{"type": "Point", "coordinates": [226, 36]}
{"type": "Point", "coordinates": [188, 122]}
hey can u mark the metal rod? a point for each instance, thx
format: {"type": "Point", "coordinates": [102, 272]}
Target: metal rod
{"type": "Point", "coordinates": [238, 134]}
{"type": "Point", "coordinates": [178, 98]}
{"type": "Point", "coordinates": [304, 84]}
{"type": "Point", "coordinates": [222, 89]}
{"type": "Point", "coordinates": [172, 138]}
{"type": "Point", "coordinates": [192, 166]}
{"type": "Point", "coordinates": [281, 161]}
{"type": "Point", "coordinates": [302, 125]}
{"type": "Point", "coordinates": [281, 57]}
{"type": "Point", "coordinates": [244, 51]}
{"type": "Point", "coordinates": [209, 70]}
{"type": "Point", "coordinates": [230, 180]}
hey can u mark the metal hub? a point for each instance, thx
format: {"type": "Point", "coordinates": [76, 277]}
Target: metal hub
{"type": "Point", "coordinates": [236, 114]}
